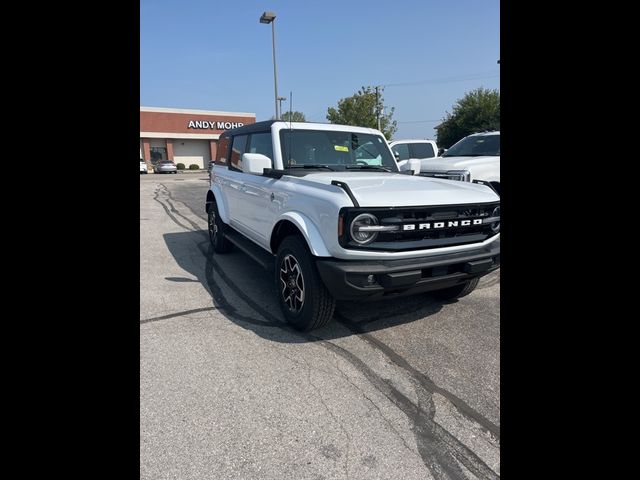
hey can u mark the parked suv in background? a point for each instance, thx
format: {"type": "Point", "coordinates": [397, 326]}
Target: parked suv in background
{"type": "Point", "coordinates": [420, 149]}
{"type": "Point", "coordinates": [143, 166]}
{"type": "Point", "coordinates": [328, 210]}
{"type": "Point", "coordinates": [474, 158]}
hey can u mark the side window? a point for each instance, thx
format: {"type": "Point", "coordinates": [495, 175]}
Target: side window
{"type": "Point", "coordinates": [221, 153]}
{"type": "Point", "coordinates": [401, 149]}
{"type": "Point", "coordinates": [422, 150]}
{"type": "Point", "coordinates": [368, 153]}
{"type": "Point", "coordinates": [261, 143]}
{"type": "Point", "coordinates": [237, 149]}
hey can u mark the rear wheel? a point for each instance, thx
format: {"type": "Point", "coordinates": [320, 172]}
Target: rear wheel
{"type": "Point", "coordinates": [457, 291]}
{"type": "Point", "coordinates": [305, 302]}
{"type": "Point", "coordinates": [216, 231]}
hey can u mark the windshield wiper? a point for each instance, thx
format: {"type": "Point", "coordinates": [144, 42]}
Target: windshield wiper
{"type": "Point", "coordinates": [311, 165]}
{"type": "Point", "coordinates": [367, 167]}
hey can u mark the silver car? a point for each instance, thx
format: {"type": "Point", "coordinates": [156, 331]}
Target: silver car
{"type": "Point", "coordinates": [165, 166]}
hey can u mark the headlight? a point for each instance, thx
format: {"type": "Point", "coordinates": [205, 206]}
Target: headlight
{"type": "Point", "coordinates": [361, 231]}
{"type": "Point", "coordinates": [460, 175]}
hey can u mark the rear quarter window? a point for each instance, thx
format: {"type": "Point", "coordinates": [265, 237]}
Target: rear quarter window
{"type": "Point", "coordinates": [237, 149]}
{"type": "Point", "coordinates": [222, 152]}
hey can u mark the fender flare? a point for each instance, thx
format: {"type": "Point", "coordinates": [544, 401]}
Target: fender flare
{"type": "Point", "coordinates": [223, 211]}
{"type": "Point", "coordinates": [309, 231]}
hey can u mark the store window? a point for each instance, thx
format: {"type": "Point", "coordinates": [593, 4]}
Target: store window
{"type": "Point", "coordinates": [158, 154]}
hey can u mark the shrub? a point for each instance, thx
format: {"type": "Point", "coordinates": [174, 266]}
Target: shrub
{"type": "Point", "coordinates": [193, 166]}
{"type": "Point", "coordinates": [180, 166]}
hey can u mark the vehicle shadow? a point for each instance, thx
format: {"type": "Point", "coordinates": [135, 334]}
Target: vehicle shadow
{"type": "Point", "coordinates": [245, 293]}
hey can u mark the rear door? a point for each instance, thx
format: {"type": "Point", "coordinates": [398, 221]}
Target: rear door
{"type": "Point", "coordinates": [234, 182]}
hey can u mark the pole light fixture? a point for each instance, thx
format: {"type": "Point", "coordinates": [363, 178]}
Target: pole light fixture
{"type": "Point", "coordinates": [270, 17]}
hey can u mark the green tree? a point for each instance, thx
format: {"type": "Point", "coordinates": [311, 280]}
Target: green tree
{"type": "Point", "coordinates": [360, 110]}
{"type": "Point", "coordinates": [477, 111]}
{"type": "Point", "coordinates": [295, 116]}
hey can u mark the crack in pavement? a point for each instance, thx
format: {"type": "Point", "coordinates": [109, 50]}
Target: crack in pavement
{"type": "Point", "coordinates": [338, 422]}
{"type": "Point", "coordinates": [428, 384]}
{"type": "Point", "coordinates": [176, 314]}
{"type": "Point", "coordinates": [377, 408]}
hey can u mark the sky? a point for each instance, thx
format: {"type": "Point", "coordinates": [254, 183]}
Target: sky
{"type": "Point", "coordinates": [216, 55]}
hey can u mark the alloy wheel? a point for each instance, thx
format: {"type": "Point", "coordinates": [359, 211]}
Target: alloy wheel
{"type": "Point", "coordinates": [292, 283]}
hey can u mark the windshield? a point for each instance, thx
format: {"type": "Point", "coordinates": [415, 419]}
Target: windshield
{"type": "Point", "coordinates": [335, 151]}
{"type": "Point", "coordinates": [476, 146]}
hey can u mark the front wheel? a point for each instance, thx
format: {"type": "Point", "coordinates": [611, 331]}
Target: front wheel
{"type": "Point", "coordinates": [218, 241]}
{"type": "Point", "coordinates": [457, 291]}
{"type": "Point", "coordinates": [305, 302]}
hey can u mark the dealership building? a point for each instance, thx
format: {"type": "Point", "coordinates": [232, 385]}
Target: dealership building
{"type": "Point", "coordinates": [184, 135]}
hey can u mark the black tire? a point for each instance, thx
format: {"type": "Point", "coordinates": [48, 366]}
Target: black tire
{"type": "Point", "coordinates": [216, 229]}
{"type": "Point", "coordinates": [305, 302]}
{"type": "Point", "coordinates": [457, 291]}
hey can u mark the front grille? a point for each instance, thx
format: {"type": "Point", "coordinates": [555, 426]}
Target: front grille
{"type": "Point", "coordinates": [421, 228]}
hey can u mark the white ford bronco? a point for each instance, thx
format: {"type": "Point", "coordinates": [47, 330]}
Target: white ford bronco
{"type": "Point", "coordinates": [327, 208]}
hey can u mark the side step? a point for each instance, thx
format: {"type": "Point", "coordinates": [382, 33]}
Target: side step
{"type": "Point", "coordinates": [264, 258]}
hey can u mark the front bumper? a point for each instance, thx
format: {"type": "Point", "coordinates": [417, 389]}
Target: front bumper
{"type": "Point", "coordinates": [350, 280]}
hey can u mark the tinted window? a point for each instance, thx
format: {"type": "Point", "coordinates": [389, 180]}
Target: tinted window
{"type": "Point", "coordinates": [422, 150]}
{"type": "Point", "coordinates": [475, 146]}
{"type": "Point", "coordinates": [261, 143]}
{"type": "Point", "coordinates": [401, 149]}
{"type": "Point", "coordinates": [221, 153]}
{"type": "Point", "coordinates": [237, 149]}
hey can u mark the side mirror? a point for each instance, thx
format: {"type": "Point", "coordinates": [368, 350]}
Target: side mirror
{"type": "Point", "coordinates": [255, 163]}
{"type": "Point", "coordinates": [412, 164]}
{"type": "Point", "coordinates": [415, 165]}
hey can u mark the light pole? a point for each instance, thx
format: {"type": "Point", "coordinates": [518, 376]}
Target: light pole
{"type": "Point", "coordinates": [269, 17]}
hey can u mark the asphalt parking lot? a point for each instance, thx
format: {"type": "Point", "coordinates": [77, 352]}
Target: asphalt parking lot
{"type": "Point", "coordinates": [408, 388]}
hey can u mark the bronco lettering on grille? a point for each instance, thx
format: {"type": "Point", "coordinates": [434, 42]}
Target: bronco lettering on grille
{"type": "Point", "coordinates": [447, 224]}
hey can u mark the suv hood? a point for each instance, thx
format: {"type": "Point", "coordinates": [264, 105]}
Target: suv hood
{"type": "Point", "coordinates": [373, 189]}
{"type": "Point", "coordinates": [441, 164]}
